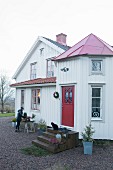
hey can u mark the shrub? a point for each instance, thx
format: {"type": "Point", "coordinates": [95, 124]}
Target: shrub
{"type": "Point", "coordinates": [88, 133]}
{"type": "Point", "coordinates": [33, 116]}
{"type": "Point", "coordinates": [42, 124]}
{"type": "Point", "coordinates": [14, 120]}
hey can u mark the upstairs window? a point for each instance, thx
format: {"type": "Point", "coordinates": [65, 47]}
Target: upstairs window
{"type": "Point", "coordinates": [50, 68]}
{"type": "Point", "coordinates": [96, 66]}
{"type": "Point", "coordinates": [33, 71]}
{"type": "Point", "coordinates": [35, 101]}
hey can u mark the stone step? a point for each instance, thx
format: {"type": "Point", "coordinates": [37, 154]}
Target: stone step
{"type": "Point", "coordinates": [49, 147]}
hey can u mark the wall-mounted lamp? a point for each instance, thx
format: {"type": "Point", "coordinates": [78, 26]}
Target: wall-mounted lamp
{"type": "Point", "coordinates": [65, 69]}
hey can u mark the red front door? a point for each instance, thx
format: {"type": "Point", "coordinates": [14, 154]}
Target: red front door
{"type": "Point", "coordinates": [68, 106]}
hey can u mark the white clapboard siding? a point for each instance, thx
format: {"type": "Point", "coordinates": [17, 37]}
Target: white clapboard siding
{"type": "Point", "coordinates": [48, 52]}
{"type": "Point", "coordinates": [49, 106]}
{"type": "Point", "coordinates": [27, 92]}
{"type": "Point", "coordinates": [79, 75]}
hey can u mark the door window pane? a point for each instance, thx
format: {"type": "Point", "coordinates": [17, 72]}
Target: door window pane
{"type": "Point", "coordinates": [68, 95]}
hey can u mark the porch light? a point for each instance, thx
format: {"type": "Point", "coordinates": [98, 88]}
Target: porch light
{"type": "Point", "coordinates": [65, 69]}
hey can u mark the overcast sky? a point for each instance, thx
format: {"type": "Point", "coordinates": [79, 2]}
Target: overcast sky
{"type": "Point", "coordinates": [22, 21]}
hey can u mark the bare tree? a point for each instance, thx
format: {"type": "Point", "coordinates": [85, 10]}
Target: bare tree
{"type": "Point", "coordinates": [5, 91]}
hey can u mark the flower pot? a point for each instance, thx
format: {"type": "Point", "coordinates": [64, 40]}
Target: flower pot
{"type": "Point", "coordinates": [32, 120]}
{"type": "Point", "coordinates": [40, 131]}
{"type": "Point", "coordinates": [13, 124]}
{"type": "Point", "coordinates": [88, 147]}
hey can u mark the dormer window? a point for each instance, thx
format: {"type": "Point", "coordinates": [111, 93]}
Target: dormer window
{"type": "Point", "coordinates": [50, 68]}
{"type": "Point", "coordinates": [33, 70]}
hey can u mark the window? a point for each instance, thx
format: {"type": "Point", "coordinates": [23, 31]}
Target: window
{"type": "Point", "coordinates": [96, 66]}
{"type": "Point", "coordinates": [97, 102]}
{"type": "Point", "coordinates": [68, 95]}
{"type": "Point", "coordinates": [41, 51]}
{"type": "Point", "coordinates": [35, 102]}
{"type": "Point", "coordinates": [33, 71]}
{"type": "Point", "coordinates": [50, 68]}
{"type": "Point", "coordinates": [22, 98]}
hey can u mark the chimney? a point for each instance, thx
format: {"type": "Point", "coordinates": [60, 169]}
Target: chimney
{"type": "Point", "coordinates": [61, 38]}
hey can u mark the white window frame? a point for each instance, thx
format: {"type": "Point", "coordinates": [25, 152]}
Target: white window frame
{"type": "Point", "coordinates": [102, 103]}
{"type": "Point", "coordinates": [35, 105]}
{"type": "Point", "coordinates": [50, 68]}
{"type": "Point", "coordinates": [101, 60]}
{"type": "Point", "coordinates": [33, 70]}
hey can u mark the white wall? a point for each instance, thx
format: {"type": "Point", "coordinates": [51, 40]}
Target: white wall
{"type": "Point", "coordinates": [41, 62]}
{"type": "Point", "coordinates": [49, 106]}
{"type": "Point", "coordinates": [79, 76]}
{"type": "Point", "coordinates": [17, 100]}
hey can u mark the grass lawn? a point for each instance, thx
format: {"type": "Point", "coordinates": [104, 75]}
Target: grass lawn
{"type": "Point", "coordinates": [36, 151]}
{"type": "Point", "coordinates": [7, 114]}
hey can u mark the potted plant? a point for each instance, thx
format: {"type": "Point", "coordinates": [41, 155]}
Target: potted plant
{"type": "Point", "coordinates": [33, 117]}
{"type": "Point", "coordinates": [13, 122]}
{"type": "Point", "coordinates": [87, 139]}
{"type": "Point", "coordinates": [42, 126]}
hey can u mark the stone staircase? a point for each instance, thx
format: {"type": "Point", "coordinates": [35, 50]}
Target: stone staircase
{"type": "Point", "coordinates": [45, 140]}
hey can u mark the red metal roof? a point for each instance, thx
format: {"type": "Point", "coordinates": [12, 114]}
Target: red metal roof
{"type": "Point", "coordinates": [89, 45]}
{"type": "Point", "coordinates": [36, 81]}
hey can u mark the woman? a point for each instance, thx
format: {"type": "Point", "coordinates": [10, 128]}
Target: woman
{"type": "Point", "coordinates": [19, 118]}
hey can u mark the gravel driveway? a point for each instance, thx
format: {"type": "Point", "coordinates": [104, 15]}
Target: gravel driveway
{"type": "Point", "coordinates": [11, 157]}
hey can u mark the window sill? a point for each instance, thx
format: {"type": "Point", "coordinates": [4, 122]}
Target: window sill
{"type": "Point", "coordinates": [96, 119]}
{"type": "Point", "coordinates": [35, 110]}
{"type": "Point", "coordinates": [97, 73]}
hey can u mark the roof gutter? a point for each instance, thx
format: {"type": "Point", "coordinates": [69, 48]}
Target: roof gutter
{"type": "Point", "coordinates": [34, 85]}
{"type": "Point", "coordinates": [80, 55]}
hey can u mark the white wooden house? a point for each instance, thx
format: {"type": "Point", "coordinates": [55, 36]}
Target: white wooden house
{"type": "Point", "coordinates": [84, 81]}
{"type": "Point", "coordinates": [36, 79]}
